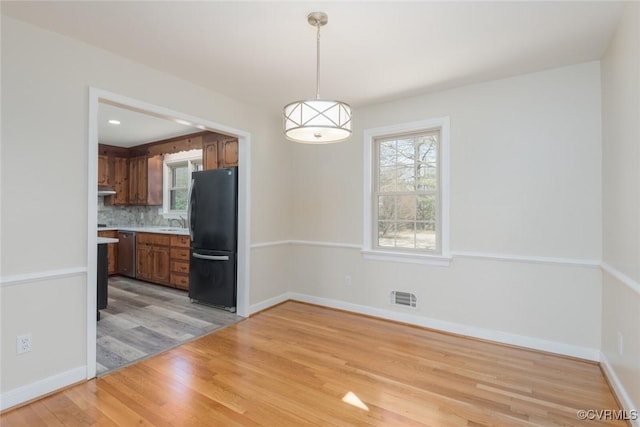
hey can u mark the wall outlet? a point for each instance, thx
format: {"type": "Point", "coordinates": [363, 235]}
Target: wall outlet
{"type": "Point", "coordinates": [23, 343]}
{"type": "Point", "coordinates": [620, 343]}
{"type": "Point", "coordinates": [347, 280]}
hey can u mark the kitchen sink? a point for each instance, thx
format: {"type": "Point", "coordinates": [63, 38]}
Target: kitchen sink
{"type": "Point", "coordinates": [172, 229]}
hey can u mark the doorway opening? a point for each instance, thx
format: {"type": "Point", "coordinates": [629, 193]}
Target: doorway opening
{"type": "Point", "coordinates": [98, 98]}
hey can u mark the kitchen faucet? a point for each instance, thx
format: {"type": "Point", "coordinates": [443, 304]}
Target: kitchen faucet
{"type": "Point", "coordinates": [182, 222]}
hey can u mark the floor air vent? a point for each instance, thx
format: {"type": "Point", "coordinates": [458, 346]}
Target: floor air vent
{"type": "Point", "coordinates": [403, 298]}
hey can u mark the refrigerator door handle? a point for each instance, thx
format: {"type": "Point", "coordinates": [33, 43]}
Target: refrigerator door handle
{"type": "Point", "coordinates": [211, 257]}
{"type": "Point", "coordinates": [189, 218]}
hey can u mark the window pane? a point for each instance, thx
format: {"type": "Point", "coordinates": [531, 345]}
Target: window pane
{"type": "Point", "coordinates": [426, 163]}
{"type": "Point", "coordinates": [386, 234]}
{"type": "Point", "coordinates": [406, 178]}
{"type": "Point", "coordinates": [406, 208]}
{"type": "Point", "coordinates": [178, 200]}
{"type": "Point", "coordinates": [425, 238]}
{"type": "Point", "coordinates": [387, 179]}
{"type": "Point", "coordinates": [179, 176]}
{"type": "Point", "coordinates": [426, 208]}
{"type": "Point", "coordinates": [386, 208]}
{"type": "Point", "coordinates": [387, 154]}
{"type": "Point", "coordinates": [405, 234]}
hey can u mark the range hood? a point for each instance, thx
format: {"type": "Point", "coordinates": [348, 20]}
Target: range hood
{"type": "Point", "coordinates": [105, 191]}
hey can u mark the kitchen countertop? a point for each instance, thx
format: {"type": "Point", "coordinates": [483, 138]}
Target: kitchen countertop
{"type": "Point", "coordinates": [156, 229]}
{"type": "Point", "coordinates": [105, 240]}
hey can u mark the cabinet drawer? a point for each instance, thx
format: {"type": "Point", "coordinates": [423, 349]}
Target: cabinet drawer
{"type": "Point", "coordinates": [180, 280]}
{"type": "Point", "coordinates": [180, 254]}
{"type": "Point", "coordinates": [180, 241]}
{"type": "Point", "coordinates": [179, 267]}
{"type": "Point", "coordinates": [153, 239]}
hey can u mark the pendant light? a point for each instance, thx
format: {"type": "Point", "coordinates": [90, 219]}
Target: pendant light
{"type": "Point", "coordinates": [317, 121]}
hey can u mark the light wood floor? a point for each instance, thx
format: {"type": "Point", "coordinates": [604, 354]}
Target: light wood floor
{"type": "Point", "coordinates": [298, 364]}
{"type": "Point", "coordinates": [143, 319]}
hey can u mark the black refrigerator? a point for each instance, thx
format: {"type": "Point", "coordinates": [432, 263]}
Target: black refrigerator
{"type": "Point", "coordinates": [213, 226]}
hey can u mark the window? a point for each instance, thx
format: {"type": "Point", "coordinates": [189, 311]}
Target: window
{"type": "Point", "coordinates": [177, 179]}
{"type": "Point", "coordinates": [407, 190]}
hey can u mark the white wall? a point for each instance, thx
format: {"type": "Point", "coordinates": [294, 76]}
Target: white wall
{"type": "Point", "coordinates": [621, 204]}
{"type": "Point", "coordinates": [45, 87]}
{"type": "Point", "coordinates": [525, 182]}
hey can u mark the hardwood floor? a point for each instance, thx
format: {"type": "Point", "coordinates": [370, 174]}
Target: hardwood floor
{"type": "Point", "coordinates": [143, 319]}
{"type": "Point", "coordinates": [298, 364]}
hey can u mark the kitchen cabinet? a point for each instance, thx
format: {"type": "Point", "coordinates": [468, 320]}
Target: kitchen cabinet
{"type": "Point", "coordinates": [228, 153]}
{"type": "Point", "coordinates": [145, 180]}
{"type": "Point", "coordinates": [120, 181]}
{"type": "Point", "coordinates": [210, 155]}
{"type": "Point", "coordinates": [103, 170]}
{"type": "Point", "coordinates": [180, 261]}
{"type": "Point", "coordinates": [219, 153]}
{"type": "Point", "coordinates": [112, 251]}
{"type": "Point", "coordinates": [153, 254]}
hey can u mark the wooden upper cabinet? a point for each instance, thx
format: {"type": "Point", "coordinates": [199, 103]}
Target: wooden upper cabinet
{"type": "Point", "coordinates": [219, 153]}
{"type": "Point", "coordinates": [145, 180]}
{"type": "Point", "coordinates": [103, 170]}
{"type": "Point", "coordinates": [120, 181]}
{"type": "Point", "coordinates": [228, 153]}
{"type": "Point", "coordinates": [210, 155]}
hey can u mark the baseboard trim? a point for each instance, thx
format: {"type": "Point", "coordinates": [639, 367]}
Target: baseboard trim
{"type": "Point", "coordinates": [18, 279]}
{"type": "Point", "coordinates": [618, 389]}
{"type": "Point", "coordinates": [42, 387]}
{"type": "Point", "coordinates": [579, 352]}
{"type": "Point", "coordinates": [268, 303]}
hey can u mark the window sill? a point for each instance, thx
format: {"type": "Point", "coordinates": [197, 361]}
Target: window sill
{"type": "Point", "coordinates": [435, 260]}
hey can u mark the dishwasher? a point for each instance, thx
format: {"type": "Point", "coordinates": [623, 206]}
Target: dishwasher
{"type": "Point", "coordinates": [127, 253]}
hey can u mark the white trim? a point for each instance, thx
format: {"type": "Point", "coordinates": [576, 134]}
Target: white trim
{"type": "Point", "coordinates": [271, 302]}
{"type": "Point", "coordinates": [244, 201]}
{"type": "Point", "coordinates": [580, 352]}
{"type": "Point", "coordinates": [18, 279]}
{"type": "Point", "coordinates": [589, 263]}
{"type": "Point", "coordinates": [410, 258]}
{"type": "Point", "coordinates": [39, 388]}
{"type": "Point", "coordinates": [631, 284]}
{"type": "Point", "coordinates": [440, 261]}
{"type": "Point", "coordinates": [443, 123]}
{"type": "Point", "coordinates": [326, 244]}
{"type": "Point", "coordinates": [618, 388]}
{"type": "Point", "coordinates": [269, 244]}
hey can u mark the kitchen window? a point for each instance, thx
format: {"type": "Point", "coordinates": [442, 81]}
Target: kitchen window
{"type": "Point", "coordinates": [407, 195]}
{"type": "Point", "coordinates": [177, 180]}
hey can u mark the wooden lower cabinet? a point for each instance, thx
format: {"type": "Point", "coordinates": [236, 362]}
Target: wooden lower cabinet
{"type": "Point", "coordinates": [163, 259]}
{"type": "Point", "coordinates": [153, 258]}
{"type": "Point", "coordinates": [112, 251]}
{"type": "Point", "coordinates": [180, 261]}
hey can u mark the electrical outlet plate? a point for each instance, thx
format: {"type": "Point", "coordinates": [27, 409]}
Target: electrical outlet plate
{"type": "Point", "coordinates": [23, 343]}
{"type": "Point", "coordinates": [347, 280]}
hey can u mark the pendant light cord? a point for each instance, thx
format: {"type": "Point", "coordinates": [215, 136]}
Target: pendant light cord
{"type": "Point", "coordinates": [318, 61]}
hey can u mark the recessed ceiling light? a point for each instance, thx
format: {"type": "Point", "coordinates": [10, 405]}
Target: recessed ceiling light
{"type": "Point", "coordinates": [114, 122]}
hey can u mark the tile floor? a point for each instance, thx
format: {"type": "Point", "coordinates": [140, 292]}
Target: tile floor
{"type": "Point", "coordinates": [143, 319]}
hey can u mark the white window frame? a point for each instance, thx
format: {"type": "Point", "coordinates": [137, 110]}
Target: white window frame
{"type": "Point", "coordinates": [191, 157]}
{"type": "Point", "coordinates": [369, 251]}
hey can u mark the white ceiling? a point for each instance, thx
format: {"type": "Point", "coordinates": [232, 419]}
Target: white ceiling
{"type": "Point", "coordinates": [263, 53]}
{"type": "Point", "coordinates": [135, 128]}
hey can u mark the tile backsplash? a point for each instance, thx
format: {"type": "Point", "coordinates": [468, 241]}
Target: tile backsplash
{"type": "Point", "coordinates": [137, 216]}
